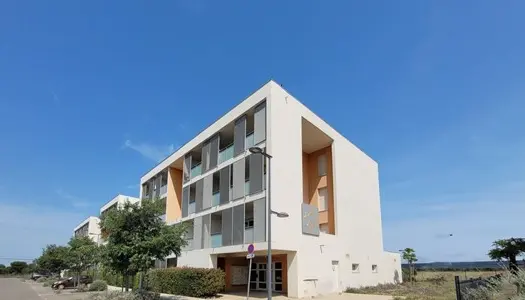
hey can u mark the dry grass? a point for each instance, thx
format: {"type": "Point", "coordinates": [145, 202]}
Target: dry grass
{"type": "Point", "coordinates": [430, 285]}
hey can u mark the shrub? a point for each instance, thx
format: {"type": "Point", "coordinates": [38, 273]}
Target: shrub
{"type": "Point", "coordinates": [41, 280]}
{"type": "Point", "coordinates": [192, 282]}
{"type": "Point", "coordinates": [115, 295]}
{"type": "Point", "coordinates": [98, 285]}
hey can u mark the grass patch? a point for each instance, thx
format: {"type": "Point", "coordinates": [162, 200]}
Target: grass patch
{"type": "Point", "coordinates": [430, 285]}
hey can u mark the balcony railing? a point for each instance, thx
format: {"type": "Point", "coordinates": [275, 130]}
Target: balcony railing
{"type": "Point", "coordinates": [191, 207]}
{"type": "Point", "coordinates": [189, 245]}
{"type": "Point", "coordinates": [216, 200]}
{"type": "Point", "coordinates": [250, 140]}
{"type": "Point", "coordinates": [248, 236]}
{"type": "Point", "coordinates": [196, 170]}
{"type": "Point", "coordinates": [163, 190]}
{"type": "Point", "coordinates": [216, 240]}
{"type": "Point", "coordinates": [247, 187]}
{"type": "Point", "coordinates": [225, 154]}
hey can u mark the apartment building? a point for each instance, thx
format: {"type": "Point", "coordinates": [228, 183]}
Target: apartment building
{"type": "Point", "coordinates": [90, 228]}
{"type": "Point", "coordinates": [117, 203]}
{"type": "Point", "coordinates": [332, 237]}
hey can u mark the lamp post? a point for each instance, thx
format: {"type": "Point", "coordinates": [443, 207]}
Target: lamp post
{"type": "Point", "coordinates": [258, 150]}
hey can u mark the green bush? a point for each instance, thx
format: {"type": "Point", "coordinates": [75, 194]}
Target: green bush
{"type": "Point", "coordinates": [98, 285]}
{"type": "Point", "coordinates": [41, 280]}
{"type": "Point", "coordinates": [115, 295]}
{"type": "Point", "coordinates": [192, 282]}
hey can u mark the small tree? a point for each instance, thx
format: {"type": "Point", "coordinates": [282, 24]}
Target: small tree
{"type": "Point", "coordinates": [508, 249]}
{"type": "Point", "coordinates": [82, 254]}
{"type": "Point", "coordinates": [409, 255]}
{"type": "Point", "coordinates": [54, 259]}
{"type": "Point", "coordinates": [3, 269]}
{"type": "Point", "coordinates": [136, 236]}
{"type": "Point", "coordinates": [18, 267]}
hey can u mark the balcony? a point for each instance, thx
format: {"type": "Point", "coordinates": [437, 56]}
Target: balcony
{"type": "Point", "coordinates": [196, 170]}
{"type": "Point", "coordinates": [225, 154]}
{"type": "Point", "coordinates": [216, 200]}
{"type": "Point", "coordinates": [250, 141]}
{"type": "Point", "coordinates": [216, 240]}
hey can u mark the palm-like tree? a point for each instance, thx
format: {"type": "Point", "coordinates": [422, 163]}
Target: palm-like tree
{"type": "Point", "coordinates": [508, 249]}
{"type": "Point", "coordinates": [409, 255]}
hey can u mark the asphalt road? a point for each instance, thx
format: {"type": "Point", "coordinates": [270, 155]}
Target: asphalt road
{"type": "Point", "coordinates": [15, 289]}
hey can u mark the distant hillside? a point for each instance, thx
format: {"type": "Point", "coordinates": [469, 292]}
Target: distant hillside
{"type": "Point", "coordinates": [462, 265]}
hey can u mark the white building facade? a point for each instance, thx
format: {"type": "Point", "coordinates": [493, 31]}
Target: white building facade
{"type": "Point", "coordinates": [332, 238]}
{"type": "Point", "coordinates": [90, 228]}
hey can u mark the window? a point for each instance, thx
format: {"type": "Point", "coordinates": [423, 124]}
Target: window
{"type": "Point", "coordinates": [172, 262]}
{"type": "Point", "coordinates": [164, 179]}
{"type": "Point", "coordinates": [324, 228]}
{"type": "Point", "coordinates": [374, 268]}
{"type": "Point", "coordinates": [248, 223]}
{"type": "Point", "coordinates": [321, 165]}
{"type": "Point", "coordinates": [322, 202]}
{"type": "Point", "coordinates": [355, 268]}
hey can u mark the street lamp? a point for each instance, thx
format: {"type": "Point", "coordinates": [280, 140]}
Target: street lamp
{"type": "Point", "coordinates": [258, 150]}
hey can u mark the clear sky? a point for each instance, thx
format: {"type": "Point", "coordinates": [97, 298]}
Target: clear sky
{"type": "Point", "coordinates": [94, 93]}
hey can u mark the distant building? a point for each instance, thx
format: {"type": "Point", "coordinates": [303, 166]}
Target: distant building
{"type": "Point", "coordinates": [90, 228]}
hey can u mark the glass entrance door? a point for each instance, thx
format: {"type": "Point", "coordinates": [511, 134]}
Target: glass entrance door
{"type": "Point", "coordinates": [258, 277]}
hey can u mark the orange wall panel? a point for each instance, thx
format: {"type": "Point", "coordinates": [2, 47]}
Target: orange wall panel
{"type": "Point", "coordinates": [174, 196]}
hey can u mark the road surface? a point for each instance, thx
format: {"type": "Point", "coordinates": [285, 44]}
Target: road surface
{"type": "Point", "coordinates": [15, 289]}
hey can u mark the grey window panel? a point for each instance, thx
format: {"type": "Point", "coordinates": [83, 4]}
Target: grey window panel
{"type": "Point", "coordinates": [151, 186]}
{"type": "Point", "coordinates": [157, 185]}
{"type": "Point", "coordinates": [206, 226]}
{"type": "Point", "coordinates": [214, 152]}
{"type": "Point", "coordinates": [259, 220]}
{"type": "Point", "coordinates": [185, 201]}
{"type": "Point", "coordinates": [227, 227]}
{"type": "Point", "coordinates": [197, 233]}
{"type": "Point", "coordinates": [225, 185]}
{"type": "Point", "coordinates": [187, 168]}
{"type": "Point", "coordinates": [205, 158]}
{"type": "Point", "coordinates": [256, 173]}
{"type": "Point", "coordinates": [207, 191]}
{"type": "Point", "coordinates": [239, 136]}
{"type": "Point", "coordinates": [199, 188]}
{"type": "Point", "coordinates": [259, 126]}
{"type": "Point", "coordinates": [238, 224]}
{"type": "Point", "coordinates": [239, 170]}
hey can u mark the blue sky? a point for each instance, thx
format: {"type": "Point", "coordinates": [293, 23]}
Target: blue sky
{"type": "Point", "coordinates": [93, 94]}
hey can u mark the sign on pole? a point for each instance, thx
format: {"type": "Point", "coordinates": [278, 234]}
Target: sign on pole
{"type": "Point", "coordinates": [250, 256]}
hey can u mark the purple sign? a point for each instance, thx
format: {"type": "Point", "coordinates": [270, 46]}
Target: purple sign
{"type": "Point", "coordinates": [251, 248]}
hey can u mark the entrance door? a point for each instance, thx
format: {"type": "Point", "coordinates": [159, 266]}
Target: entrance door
{"type": "Point", "coordinates": [258, 277]}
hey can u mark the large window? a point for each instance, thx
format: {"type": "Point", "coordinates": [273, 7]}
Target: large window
{"type": "Point", "coordinates": [321, 165]}
{"type": "Point", "coordinates": [322, 194]}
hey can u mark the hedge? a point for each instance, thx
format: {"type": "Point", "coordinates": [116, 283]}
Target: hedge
{"type": "Point", "coordinates": [192, 282]}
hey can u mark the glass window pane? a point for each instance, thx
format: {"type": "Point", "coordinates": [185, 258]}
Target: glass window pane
{"type": "Point", "coordinates": [322, 199]}
{"type": "Point", "coordinates": [321, 165]}
{"type": "Point", "coordinates": [278, 287]}
{"type": "Point", "coordinates": [278, 265]}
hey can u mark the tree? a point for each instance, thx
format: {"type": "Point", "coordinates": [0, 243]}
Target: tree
{"type": "Point", "coordinates": [54, 259]}
{"type": "Point", "coordinates": [82, 254]}
{"type": "Point", "coordinates": [136, 236]}
{"type": "Point", "coordinates": [409, 255]}
{"type": "Point", "coordinates": [3, 269]}
{"type": "Point", "coordinates": [18, 267]}
{"type": "Point", "coordinates": [508, 249]}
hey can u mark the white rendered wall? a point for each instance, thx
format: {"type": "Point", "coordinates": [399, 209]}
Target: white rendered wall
{"type": "Point", "coordinates": [358, 236]}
